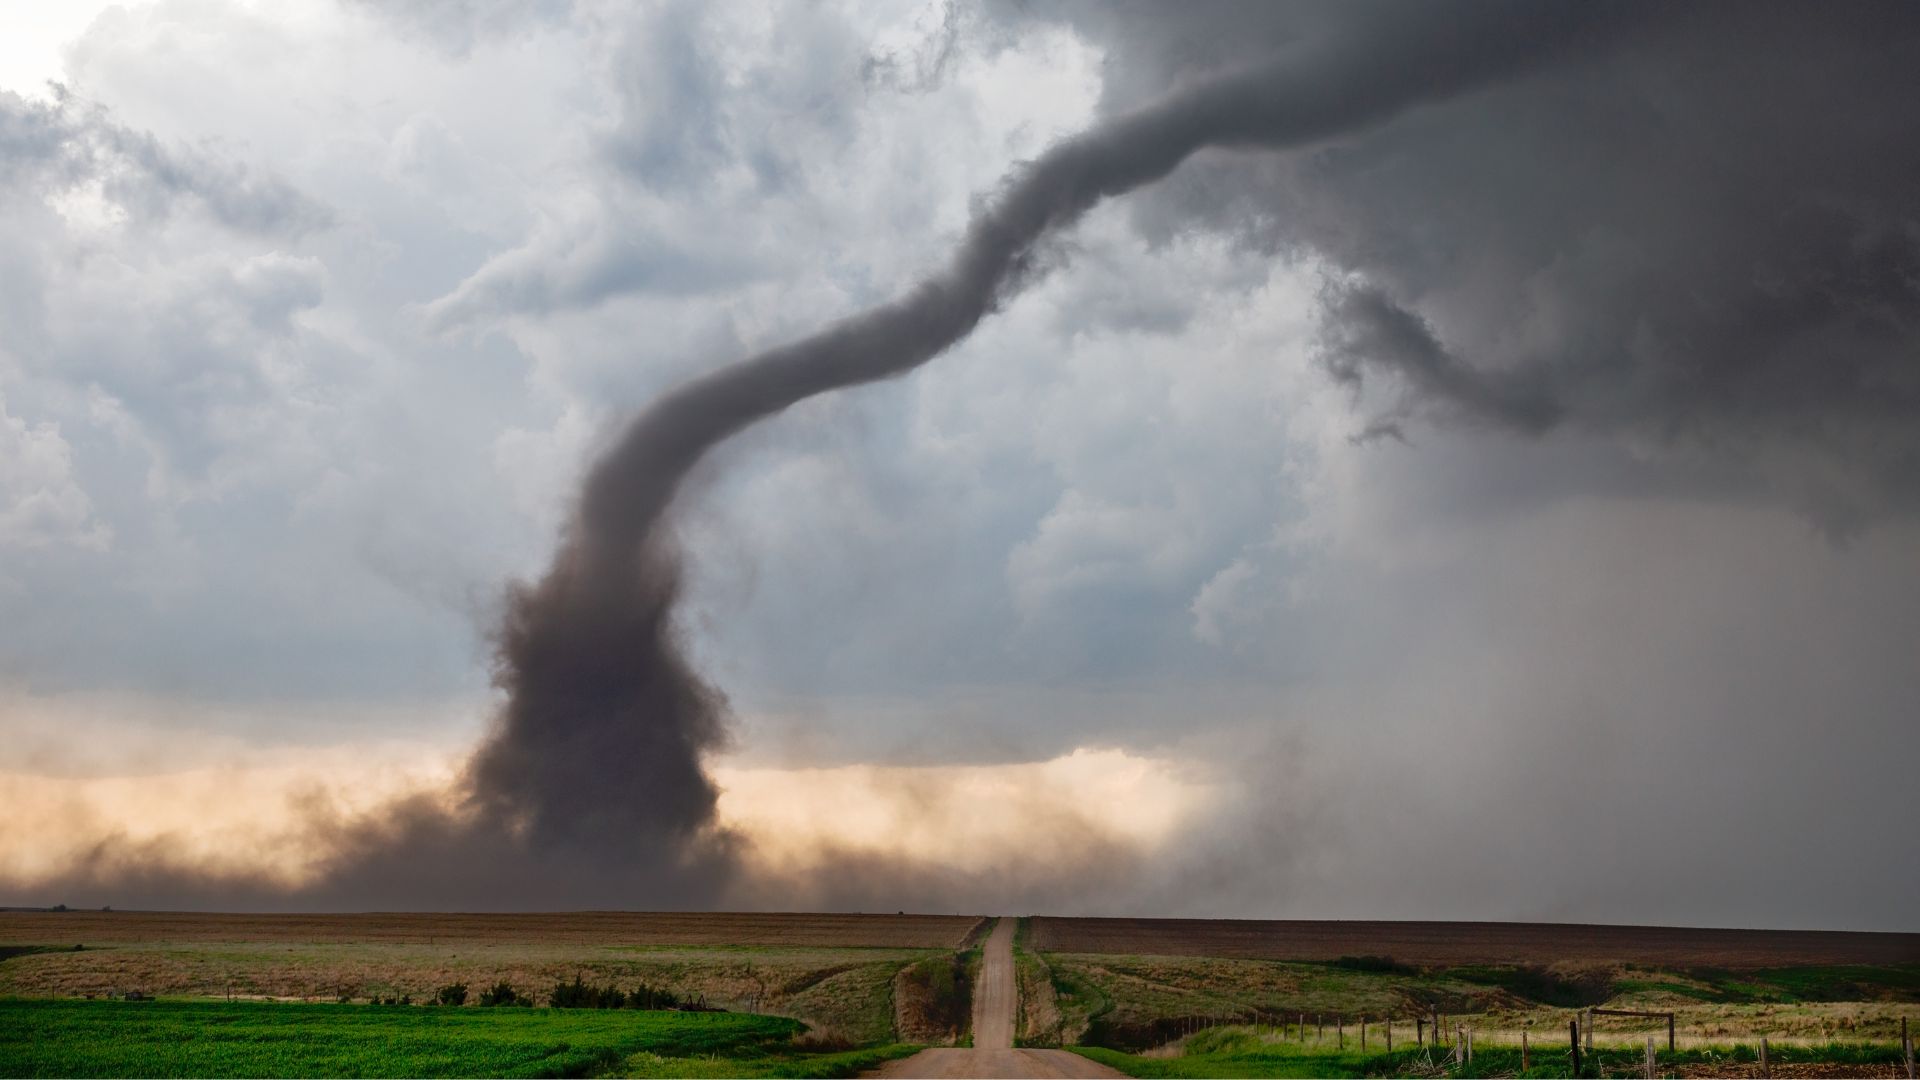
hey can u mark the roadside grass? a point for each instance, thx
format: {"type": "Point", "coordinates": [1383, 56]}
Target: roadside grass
{"type": "Point", "coordinates": [933, 999]}
{"type": "Point", "coordinates": [1241, 1052]}
{"type": "Point", "coordinates": [1038, 1022]}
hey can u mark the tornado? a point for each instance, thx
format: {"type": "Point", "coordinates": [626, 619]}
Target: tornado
{"type": "Point", "coordinates": [590, 786]}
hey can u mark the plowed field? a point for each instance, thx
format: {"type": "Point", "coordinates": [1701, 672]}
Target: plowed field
{"type": "Point", "coordinates": [1442, 944]}
{"type": "Point", "coordinates": [570, 928]}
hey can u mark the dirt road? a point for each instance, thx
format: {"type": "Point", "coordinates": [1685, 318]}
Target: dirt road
{"type": "Point", "coordinates": [995, 1001]}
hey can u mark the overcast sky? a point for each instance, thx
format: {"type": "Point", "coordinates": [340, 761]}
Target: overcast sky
{"type": "Point", "coordinates": [1502, 510]}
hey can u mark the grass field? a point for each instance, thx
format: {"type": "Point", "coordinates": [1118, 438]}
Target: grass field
{"type": "Point", "coordinates": [1131, 1002]}
{"type": "Point", "coordinates": [1175, 998]}
{"type": "Point", "coordinates": [221, 1039]}
{"type": "Point", "coordinates": [1244, 1052]}
{"type": "Point", "coordinates": [835, 973]}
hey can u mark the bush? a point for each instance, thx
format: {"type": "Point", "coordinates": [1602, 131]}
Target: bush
{"type": "Point", "coordinates": [452, 994]}
{"type": "Point", "coordinates": [652, 997]}
{"type": "Point", "coordinates": [1382, 964]}
{"type": "Point", "coordinates": [578, 995]}
{"type": "Point", "coordinates": [502, 993]}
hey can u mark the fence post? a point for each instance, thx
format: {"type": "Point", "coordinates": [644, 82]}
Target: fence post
{"type": "Point", "coordinates": [1670, 1033]}
{"type": "Point", "coordinates": [1469, 1042]}
{"type": "Point", "coordinates": [1303, 1027]}
{"type": "Point", "coordinates": [1766, 1069]}
{"type": "Point", "coordinates": [1650, 1058]}
{"type": "Point", "coordinates": [1573, 1036]}
{"type": "Point", "coordinates": [1419, 1031]}
{"type": "Point", "coordinates": [1319, 1028]}
{"type": "Point", "coordinates": [1363, 1034]}
{"type": "Point", "coordinates": [1340, 1030]}
{"type": "Point", "coordinates": [1389, 1034]}
{"type": "Point", "coordinates": [1589, 1032]}
{"type": "Point", "coordinates": [1524, 1063]}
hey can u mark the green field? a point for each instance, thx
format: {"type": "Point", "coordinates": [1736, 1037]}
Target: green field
{"type": "Point", "coordinates": [221, 1039]}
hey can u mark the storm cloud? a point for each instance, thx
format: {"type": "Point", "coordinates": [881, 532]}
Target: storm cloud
{"type": "Point", "coordinates": [1510, 405]}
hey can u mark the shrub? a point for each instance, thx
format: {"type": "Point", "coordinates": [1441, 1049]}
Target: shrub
{"type": "Point", "coordinates": [452, 994]}
{"type": "Point", "coordinates": [1382, 964]}
{"type": "Point", "coordinates": [652, 997]}
{"type": "Point", "coordinates": [578, 995]}
{"type": "Point", "coordinates": [501, 993]}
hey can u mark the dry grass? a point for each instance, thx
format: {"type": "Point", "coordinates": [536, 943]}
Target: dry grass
{"type": "Point", "coordinates": [833, 972]}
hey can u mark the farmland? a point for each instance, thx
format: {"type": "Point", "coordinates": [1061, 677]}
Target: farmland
{"type": "Point", "coordinates": [834, 973]}
{"type": "Point", "coordinates": [171, 1038]}
{"type": "Point", "coordinates": [1440, 943]}
{"type": "Point", "coordinates": [1229, 999]}
{"type": "Point", "coordinates": [830, 994]}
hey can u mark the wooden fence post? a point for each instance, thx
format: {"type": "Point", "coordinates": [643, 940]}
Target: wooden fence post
{"type": "Point", "coordinates": [1524, 1063]}
{"type": "Point", "coordinates": [1340, 1030]}
{"type": "Point", "coordinates": [1303, 1027]}
{"type": "Point", "coordinates": [1363, 1034]}
{"type": "Point", "coordinates": [1573, 1036]}
{"type": "Point", "coordinates": [1319, 1028]}
{"type": "Point", "coordinates": [1389, 1034]}
{"type": "Point", "coordinates": [1650, 1069]}
{"type": "Point", "coordinates": [1766, 1069]}
{"type": "Point", "coordinates": [1670, 1033]}
{"type": "Point", "coordinates": [1419, 1031]}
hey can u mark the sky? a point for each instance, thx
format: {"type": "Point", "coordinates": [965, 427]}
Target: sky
{"type": "Point", "coordinates": [1497, 502]}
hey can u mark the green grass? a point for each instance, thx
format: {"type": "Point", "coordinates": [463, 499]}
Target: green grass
{"type": "Point", "coordinates": [1540, 986]}
{"type": "Point", "coordinates": [1237, 1052]}
{"type": "Point", "coordinates": [221, 1039]}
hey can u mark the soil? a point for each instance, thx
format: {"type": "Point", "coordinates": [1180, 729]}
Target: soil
{"type": "Point", "coordinates": [583, 928]}
{"type": "Point", "coordinates": [1441, 943]}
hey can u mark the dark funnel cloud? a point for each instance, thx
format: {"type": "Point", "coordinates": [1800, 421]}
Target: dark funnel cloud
{"type": "Point", "coordinates": [590, 790]}
{"type": "Point", "coordinates": [600, 745]}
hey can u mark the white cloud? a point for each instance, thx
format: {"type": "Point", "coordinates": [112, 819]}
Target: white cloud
{"type": "Point", "coordinates": [40, 503]}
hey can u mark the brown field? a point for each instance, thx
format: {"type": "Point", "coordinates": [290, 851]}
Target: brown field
{"type": "Point", "coordinates": [607, 928]}
{"type": "Point", "coordinates": [834, 972]}
{"type": "Point", "coordinates": [1441, 943]}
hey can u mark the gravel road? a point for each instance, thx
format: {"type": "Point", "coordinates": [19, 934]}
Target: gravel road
{"type": "Point", "coordinates": [995, 1002]}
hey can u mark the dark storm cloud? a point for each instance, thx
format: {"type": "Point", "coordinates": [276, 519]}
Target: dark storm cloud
{"type": "Point", "coordinates": [599, 747]}
{"type": "Point", "coordinates": [1369, 329]}
{"type": "Point", "coordinates": [590, 788]}
{"type": "Point", "coordinates": [1707, 240]}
